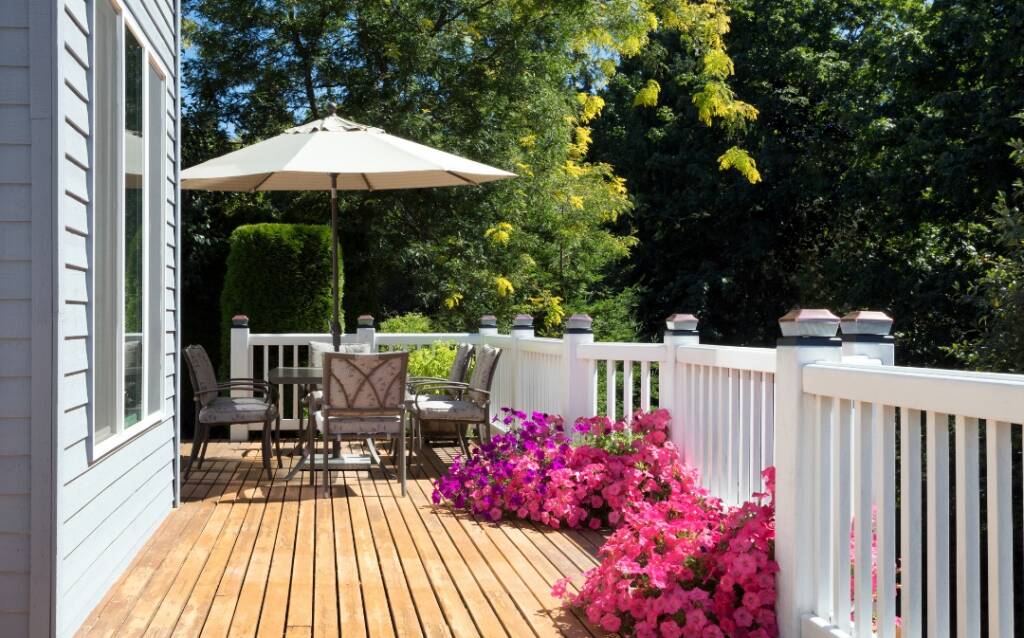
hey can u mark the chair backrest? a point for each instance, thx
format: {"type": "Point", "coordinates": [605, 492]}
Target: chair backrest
{"type": "Point", "coordinates": [461, 364]}
{"type": "Point", "coordinates": [200, 371]}
{"type": "Point", "coordinates": [483, 373]}
{"type": "Point", "coordinates": [317, 350]}
{"type": "Point", "coordinates": [365, 384]}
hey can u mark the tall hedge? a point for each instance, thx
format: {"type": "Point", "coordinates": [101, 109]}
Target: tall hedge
{"type": "Point", "coordinates": [279, 275]}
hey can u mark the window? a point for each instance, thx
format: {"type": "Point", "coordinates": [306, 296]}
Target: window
{"type": "Point", "coordinates": [129, 174]}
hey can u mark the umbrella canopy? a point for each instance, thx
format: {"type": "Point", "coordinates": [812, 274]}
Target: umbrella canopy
{"type": "Point", "coordinates": [336, 154]}
{"type": "Point", "coordinates": [363, 158]}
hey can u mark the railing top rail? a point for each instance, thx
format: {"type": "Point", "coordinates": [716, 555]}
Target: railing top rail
{"type": "Point", "coordinates": [541, 345]}
{"type": "Point", "coordinates": [735, 357]}
{"type": "Point", "coordinates": [421, 338]}
{"type": "Point", "coordinates": [998, 397]}
{"type": "Point", "coordinates": [295, 338]}
{"type": "Point", "coordinates": [620, 351]}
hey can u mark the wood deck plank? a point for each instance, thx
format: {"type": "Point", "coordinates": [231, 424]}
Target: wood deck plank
{"type": "Point", "coordinates": [167, 615]}
{"type": "Point", "coordinates": [246, 610]}
{"type": "Point", "coordinates": [350, 596]}
{"type": "Point", "coordinates": [110, 614]}
{"type": "Point", "coordinates": [325, 584]}
{"type": "Point", "coordinates": [149, 602]}
{"type": "Point", "coordinates": [274, 612]}
{"type": "Point", "coordinates": [245, 556]}
{"type": "Point", "coordinates": [428, 609]}
{"type": "Point", "coordinates": [442, 580]}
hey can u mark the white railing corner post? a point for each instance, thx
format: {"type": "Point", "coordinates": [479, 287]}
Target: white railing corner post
{"type": "Point", "coordinates": [808, 336]}
{"type": "Point", "coordinates": [866, 334]}
{"type": "Point", "coordinates": [579, 375]}
{"type": "Point", "coordinates": [366, 332]}
{"type": "Point", "coordinates": [240, 367]}
{"type": "Point", "coordinates": [680, 330]}
{"type": "Point", "coordinates": [522, 328]}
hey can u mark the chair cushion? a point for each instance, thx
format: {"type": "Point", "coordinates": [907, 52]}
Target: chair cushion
{"type": "Point", "coordinates": [317, 350]}
{"type": "Point", "coordinates": [359, 426]}
{"type": "Point", "coordinates": [237, 410]}
{"type": "Point", "coordinates": [432, 408]}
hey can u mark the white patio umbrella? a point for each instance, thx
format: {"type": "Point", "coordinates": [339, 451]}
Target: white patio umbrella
{"type": "Point", "coordinates": [336, 154]}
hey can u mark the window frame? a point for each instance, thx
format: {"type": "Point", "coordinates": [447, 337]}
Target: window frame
{"type": "Point", "coordinates": [154, 300]}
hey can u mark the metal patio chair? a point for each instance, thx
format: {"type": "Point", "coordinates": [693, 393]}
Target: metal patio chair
{"type": "Point", "coordinates": [466, 404]}
{"type": "Point", "coordinates": [364, 398]}
{"type": "Point", "coordinates": [213, 409]}
{"type": "Point", "coordinates": [441, 430]}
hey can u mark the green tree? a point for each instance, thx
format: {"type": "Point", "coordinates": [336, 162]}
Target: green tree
{"type": "Point", "coordinates": [879, 141]}
{"type": "Point", "coordinates": [508, 83]}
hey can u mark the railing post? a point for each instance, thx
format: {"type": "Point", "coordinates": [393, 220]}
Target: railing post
{"type": "Point", "coordinates": [488, 327]}
{"type": "Point", "coordinates": [522, 328]}
{"type": "Point", "coordinates": [680, 330]}
{"type": "Point", "coordinates": [808, 336]}
{"type": "Point", "coordinates": [579, 375]}
{"type": "Point", "coordinates": [866, 333]}
{"type": "Point", "coordinates": [239, 367]}
{"type": "Point", "coordinates": [365, 331]}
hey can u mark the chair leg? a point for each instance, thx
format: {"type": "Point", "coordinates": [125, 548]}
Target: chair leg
{"type": "Point", "coordinates": [327, 469]}
{"type": "Point", "coordinates": [267, 451]}
{"type": "Point", "coordinates": [277, 439]}
{"type": "Point", "coordinates": [461, 429]}
{"type": "Point", "coordinates": [401, 461]}
{"type": "Point", "coordinates": [197, 445]}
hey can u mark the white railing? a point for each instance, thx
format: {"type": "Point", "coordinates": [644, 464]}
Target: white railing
{"type": "Point", "coordinates": [866, 418]}
{"type": "Point", "coordinates": [727, 401]}
{"type": "Point", "coordinates": [861, 448]}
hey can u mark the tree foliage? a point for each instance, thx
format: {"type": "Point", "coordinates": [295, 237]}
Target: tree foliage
{"type": "Point", "coordinates": [880, 143]}
{"type": "Point", "coordinates": [506, 82]}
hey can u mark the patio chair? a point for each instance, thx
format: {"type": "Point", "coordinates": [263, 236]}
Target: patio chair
{"type": "Point", "coordinates": [317, 350]}
{"type": "Point", "coordinates": [443, 430]}
{"type": "Point", "coordinates": [213, 409]}
{"type": "Point", "coordinates": [468, 404]}
{"type": "Point", "coordinates": [364, 398]}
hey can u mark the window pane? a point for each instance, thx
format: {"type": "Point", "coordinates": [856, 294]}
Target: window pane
{"type": "Point", "coordinates": [134, 230]}
{"type": "Point", "coordinates": [157, 179]}
{"type": "Point", "coordinates": [106, 211]}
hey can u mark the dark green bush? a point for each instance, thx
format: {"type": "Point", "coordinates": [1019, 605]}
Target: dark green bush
{"type": "Point", "coordinates": [279, 275]}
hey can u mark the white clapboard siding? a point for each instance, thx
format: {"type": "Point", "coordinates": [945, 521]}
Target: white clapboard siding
{"type": "Point", "coordinates": [16, 330]}
{"type": "Point", "coordinates": [109, 505]}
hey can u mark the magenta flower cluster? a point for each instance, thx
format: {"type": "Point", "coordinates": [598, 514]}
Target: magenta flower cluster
{"type": "Point", "coordinates": [679, 562]}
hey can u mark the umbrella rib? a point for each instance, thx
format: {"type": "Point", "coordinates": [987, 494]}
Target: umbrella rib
{"type": "Point", "coordinates": [465, 179]}
{"type": "Point", "coordinates": [261, 183]}
{"type": "Point", "coordinates": [366, 180]}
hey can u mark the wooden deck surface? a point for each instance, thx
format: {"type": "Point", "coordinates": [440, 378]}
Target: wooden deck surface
{"type": "Point", "coordinates": [251, 556]}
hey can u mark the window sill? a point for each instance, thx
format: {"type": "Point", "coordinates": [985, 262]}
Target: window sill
{"type": "Point", "coordinates": [115, 442]}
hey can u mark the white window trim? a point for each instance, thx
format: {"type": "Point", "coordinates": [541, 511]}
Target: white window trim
{"type": "Point", "coordinates": [122, 435]}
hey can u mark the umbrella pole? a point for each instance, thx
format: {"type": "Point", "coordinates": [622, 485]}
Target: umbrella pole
{"type": "Point", "coordinates": [335, 321]}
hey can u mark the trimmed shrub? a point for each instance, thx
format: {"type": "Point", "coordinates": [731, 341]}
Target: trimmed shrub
{"type": "Point", "coordinates": [279, 275]}
{"type": "Point", "coordinates": [409, 322]}
{"type": "Point", "coordinates": [434, 360]}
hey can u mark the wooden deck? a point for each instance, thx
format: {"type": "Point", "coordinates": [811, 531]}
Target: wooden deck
{"type": "Point", "coordinates": [245, 556]}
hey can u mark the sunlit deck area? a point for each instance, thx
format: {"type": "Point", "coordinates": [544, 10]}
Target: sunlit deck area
{"type": "Point", "coordinates": [245, 556]}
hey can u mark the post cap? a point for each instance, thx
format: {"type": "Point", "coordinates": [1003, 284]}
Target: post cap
{"type": "Point", "coordinates": [806, 322]}
{"type": "Point", "coordinates": [488, 321]}
{"type": "Point", "coordinates": [681, 323]}
{"type": "Point", "coordinates": [579, 322]}
{"type": "Point", "coordinates": [522, 322]}
{"type": "Point", "coordinates": [866, 322]}
{"type": "Point", "coordinates": [365, 321]}
{"type": "Point", "coordinates": [239, 321]}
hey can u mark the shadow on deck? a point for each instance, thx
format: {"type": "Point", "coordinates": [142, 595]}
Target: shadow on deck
{"type": "Point", "coordinates": [245, 556]}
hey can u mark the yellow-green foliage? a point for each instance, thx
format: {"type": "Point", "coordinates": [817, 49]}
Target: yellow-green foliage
{"type": "Point", "coordinates": [648, 96]}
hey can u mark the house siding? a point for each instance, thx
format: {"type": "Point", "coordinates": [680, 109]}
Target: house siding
{"type": "Point", "coordinates": [16, 319]}
{"type": "Point", "coordinates": [107, 507]}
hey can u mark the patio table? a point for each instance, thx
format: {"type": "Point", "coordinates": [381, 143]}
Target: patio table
{"type": "Point", "coordinates": [305, 378]}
